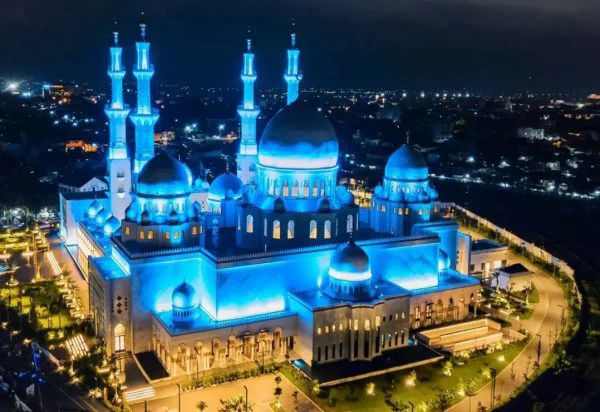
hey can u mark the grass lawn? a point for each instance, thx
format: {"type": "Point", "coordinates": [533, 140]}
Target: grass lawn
{"type": "Point", "coordinates": [430, 383]}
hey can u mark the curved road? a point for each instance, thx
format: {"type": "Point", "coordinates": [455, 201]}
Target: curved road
{"type": "Point", "coordinates": [544, 324]}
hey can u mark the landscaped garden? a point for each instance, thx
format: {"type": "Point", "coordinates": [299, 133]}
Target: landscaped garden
{"type": "Point", "coordinates": [429, 388]}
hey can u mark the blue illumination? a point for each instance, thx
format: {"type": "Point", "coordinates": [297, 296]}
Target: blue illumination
{"type": "Point", "coordinates": [292, 75]}
{"type": "Point", "coordinates": [116, 110]}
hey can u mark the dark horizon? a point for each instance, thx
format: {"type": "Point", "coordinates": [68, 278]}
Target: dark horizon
{"type": "Point", "coordinates": [487, 46]}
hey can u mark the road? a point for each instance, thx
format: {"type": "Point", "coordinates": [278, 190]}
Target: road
{"type": "Point", "coordinates": [260, 396]}
{"type": "Point", "coordinates": [543, 325]}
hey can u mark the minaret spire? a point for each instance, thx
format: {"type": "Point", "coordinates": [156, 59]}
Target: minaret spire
{"type": "Point", "coordinates": [144, 117]}
{"type": "Point", "coordinates": [247, 156]}
{"type": "Point", "coordinates": [118, 163]}
{"type": "Point", "coordinates": [292, 74]}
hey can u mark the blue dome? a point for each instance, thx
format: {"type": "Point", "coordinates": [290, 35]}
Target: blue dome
{"type": "Point", "coordinates": [102, 217]}
{"type": "Point", "coordinates": [111, 225]}
{"type": "Point", "coordinates": [350, 263]}
{"type": "Point", "coordinates": [184, 296]}
{"type": "Point", "coordinates": [94, 208]}
{"type": "Point", "coordinates": [406, 164]}
{"type": "Point", "coordinates": [225, 186]}
{"type": "Point", "coordinates": [298, 137]}
{"type": "Point", "coordinates": [443, 261]}
{"type": "Point", "coordinates": [164, 175]}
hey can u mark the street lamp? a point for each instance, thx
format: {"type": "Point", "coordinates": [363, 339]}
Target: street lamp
{"type": "Point", "coordinates": [221, 128]}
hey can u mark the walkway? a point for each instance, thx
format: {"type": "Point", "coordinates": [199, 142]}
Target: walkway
{"type": "Point", "coordinates": [260, 395]}
{"type": "Point", "coordinates": [544, 323]}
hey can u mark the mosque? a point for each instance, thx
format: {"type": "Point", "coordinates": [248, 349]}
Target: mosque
{"type": "Point", "coordinates": [280, 262]}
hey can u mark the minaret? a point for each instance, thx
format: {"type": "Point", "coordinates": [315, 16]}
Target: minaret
{"type": "Point", "coordinates": [247, 156]}
{"type": "Point", "coordinates": [118, 162]}
{"type": "Point", "coordinates": [292, 75]}
{"type": "Point", "coordinates": [144, 117]}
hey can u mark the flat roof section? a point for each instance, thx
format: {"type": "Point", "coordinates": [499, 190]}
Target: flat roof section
{"type": "Point", "coordinates": [486, 245]}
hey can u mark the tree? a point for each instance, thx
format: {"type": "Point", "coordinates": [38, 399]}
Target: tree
{"type": "Point", "coordinates": [235, 404]}
{"type": "Point", "coordinates": [398, 405]}
{"type": "Point", "coordinates": [496, 276]}
{"type": "Point", "coordinates": [315, 387]}
{"type": "Point", "coordinates": [201, 406]}
{"type": "Point", "coordinates": [527, 291]}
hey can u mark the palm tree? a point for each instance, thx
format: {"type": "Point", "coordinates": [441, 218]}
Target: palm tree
{"type": "Point", "coordinates": [496, 276]}
{"type": "Point", "coordinates": [527, 291]}
{"type": "Point", "coordinates": [201, 406]}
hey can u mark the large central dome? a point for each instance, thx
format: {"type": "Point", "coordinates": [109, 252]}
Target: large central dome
{"type": "Point", "coordinates": [298, 137]}
{"type": "Point", "coordinates": [164, 175]}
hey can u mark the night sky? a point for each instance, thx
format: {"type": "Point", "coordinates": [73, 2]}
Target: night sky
{"type": "Point", "coordinates": [482, 45]}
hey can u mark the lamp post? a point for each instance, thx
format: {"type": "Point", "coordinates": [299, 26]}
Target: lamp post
{"type": "Point", "coordinates": [178, 398]}
{"type": "Point", "coordinates": [493, 371]}
{"type": "Point", "coordinates": [246, 403]}
{"type": "Point", "coordinates": [539, 348]}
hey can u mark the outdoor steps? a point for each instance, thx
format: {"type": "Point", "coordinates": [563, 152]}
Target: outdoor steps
{"type": "Point", "coordinates": [138, 394]}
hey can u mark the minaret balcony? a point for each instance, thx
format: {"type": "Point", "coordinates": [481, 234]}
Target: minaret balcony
{"type": "Point", "coordinates": [246, 113]}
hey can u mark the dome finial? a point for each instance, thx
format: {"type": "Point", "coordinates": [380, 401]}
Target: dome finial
{"type": "Point", "coordinates": [143, 30]}
{"type": "Point", "coordinates": [293, 34]}
{"type": "Point", "coordinates": [249, 41]}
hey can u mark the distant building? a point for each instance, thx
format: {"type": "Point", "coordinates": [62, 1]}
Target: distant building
{"type": "Point", "coordinates": [514, 277]}
{"type": "Point", "coordinates": [486, 256]}
{"type": "Point", "coordinates": [530, 133]}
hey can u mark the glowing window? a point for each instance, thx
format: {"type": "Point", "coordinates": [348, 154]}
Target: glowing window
{"type": "Point", "coordinates": [318, 331]}
{"type": "Point", "coordinates": [265, 228]}
{"type": "Point", "coordinates": [406, 211]}
{"type": "Point", "coordinates": [141, 234]}
{"type": "Point", "coordinates": [417, 312]}
{"type": "Point", "coordinates": [377, 321]}
{"type": "Point", "coordinates": [397, 316]}
{"type": "Point", "coordinates": [305, 188]}
{"type": "Point", "coordinates": [333, 328]}
{"type": "Point", "coordinates": [286, 188]}
{"type": "Point", "coordinates": [167, 235]}
{"type": "Point", "coordinates": [239, 222]}
{"type": "Point", "coordinates": [420, 212]}
{"type": "Point", "coordinates": [276, 229]}
{"type": "Point", "coordinates": [194, 230]}
{"type": "Point", "coordinates": [315, 189]}
{"type": "Point", "coordinates": [400, 211]}
{"type": "Point", "coordinates": [119, 333]}
{"type": "Point", "coordinates": [295, 189]}
{"type": "Point", "coordinates": [341, 326]}
{"type": "Point", "coordinates": [176, 235]}
{"type": "Point", "coordinates": [367, 324]}
{"type": "Point", "coordinates": [355, 324]}
{"type": "Point", "coordinates": [201, 229]}
{"type": "Point", "coordinates": [150, 235]}
{"type": "Point", "coordinates": [313, 229]}
{"type": "Point", "coordinates": [382, 208]}
{"type": "Point", "coordinates": [249, 224]}
{"type": "Point", "coordinates": [277, 189]}
{"type": "Point", "coordinates": [326, 329]}
{"type": "Point", "coordinates": [127, 230]}
{"type": "Point", "coordinates": [269, 187]}
{"type": "Point", "coordinates": [349, 224]}
{"type": "Point", "coordinates": [394, 210]}
{"type": "Point", "coordinates": [290, 229]}
{"type": "Point", "coordinates": [327, 229]}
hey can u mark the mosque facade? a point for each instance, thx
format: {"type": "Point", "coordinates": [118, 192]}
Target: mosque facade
{"type": "Point", "coordinates": [279, 263]}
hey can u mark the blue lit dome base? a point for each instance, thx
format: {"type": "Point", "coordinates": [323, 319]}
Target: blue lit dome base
{"type": "Point", "coordinates": [225, 186]}
{"type": "Point", "coordinates": [406, 164]}
{"type": "Point", "coordinates": [298, 137]}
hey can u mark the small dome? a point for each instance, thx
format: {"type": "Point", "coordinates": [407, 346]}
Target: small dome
{"type": "Point", "coordinates": [94, 208]}
{"type": "Point", "coordinates": [350, 263]}
{"type": "Point", "coordinates": [324, 205]}
{"type": "Point", "coordinates": [225, 186]}
{"type": "Point", "coordinates": [145, 217]}
{"type": "Point", "coordinates": [279, 205]}
{"type": "Point", "coordinates": [406, 164]}
{"type": "Point", "coordinates": [164, 175]}
{"type": "Point", "coordinates": [443, 261]}
{"type": "Point", "coordinates": [130, 213]}
{"type": "Point", "coordinates": [102, 217]}
{"type": "Point", "coordinates": [184, 296]}
{"type": "Point", "coordinates": [111, 225]}
{"type": "Point", "coordinates": [298, 137]}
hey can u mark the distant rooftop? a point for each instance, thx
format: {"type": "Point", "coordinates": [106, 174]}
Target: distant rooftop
{"type": "Point", "coordinates": [485, 244]}
{"type": "Point", "coordinates": [92, 194]}
{"type": "Point", "coordinates": [515, 269]}
{"type": "Point", "coordinates": [109, 268]}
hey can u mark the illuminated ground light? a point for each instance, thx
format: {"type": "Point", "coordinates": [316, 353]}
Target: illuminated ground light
{"type": "Point", "coordinates": [501, 358]}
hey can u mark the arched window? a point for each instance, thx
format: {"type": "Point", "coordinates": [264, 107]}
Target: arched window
{"type": "Point", "coordinates": [265, 227]}
{"type": "Point", "coordinates": [150, 235]}
{"type": "Point", "coordinates": [306, 188]}
{"type": "Point", "coordinates": [249, 224]}
{"type": "Point", "coordinates": [313, 229]}
{"type": "Point", "coordinates": [290, 229]}
{"type": "Point", "coordinates": [382, 208]}
{"type": "Point", "coordinates": [295, 188]}
{"type": "Point", "coordinates": [286, 188]}
{"type": "Point", "coordinates": [276, 229]}
{"type": "Point", "coordinates": [127, 230]}
{"type": "Point", "coordinates": [269, 188]}
{"type": "Point", "coordinates": [194, 230]}
{"type": "Point", "coordinates": [276, 189]}
{"type": "Point", "coordinates": [327, 229]}
{"type": "Point", "coordinates": [141, 234]}
{"type": "Point", "coordinates": [239, 222]}
{"type": "Point", "coordinates": [322, 186]}
{"type": "Point", "coordinates": [167, 235]}
{"type": "Point", "coordinates": [406, 211]}
{"type": "Point", "coordinates": [420, 212]}
{"type": "Point", "coordinates": [315, 188]}
{"type": "Point", "coordinates": [176, 234]}
{"type": "Point", "coordinates": [400, 211]}
{"type": "Point", "coordinates": [119, 333]}
{"type": "Point", "coordinates": [201, 229]}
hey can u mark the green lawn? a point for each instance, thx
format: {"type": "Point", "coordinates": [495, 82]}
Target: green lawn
{"type": "Point", "coordinates": [431, 382]}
